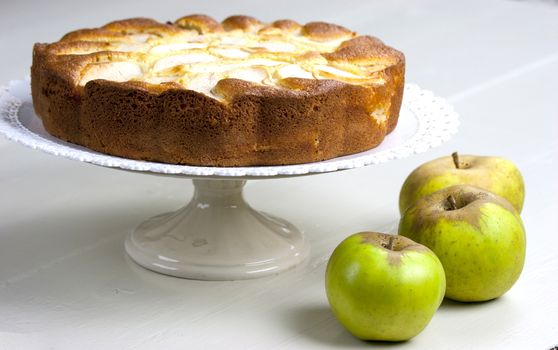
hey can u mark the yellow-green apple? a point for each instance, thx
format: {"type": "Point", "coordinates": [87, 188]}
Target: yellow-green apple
{"type": "Point", "coordinates": [477, 235]}
{"type": "Point", "coordinates": [494, 174]}
{"type": "Point", "coordinates": [384, 287]}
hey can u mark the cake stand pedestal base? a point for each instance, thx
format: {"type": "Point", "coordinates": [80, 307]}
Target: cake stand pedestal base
{"type": "Point", "coordinates": [217, 236]}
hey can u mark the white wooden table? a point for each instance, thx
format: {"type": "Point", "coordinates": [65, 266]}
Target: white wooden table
{"type": "Point", "coordinates": [65, 282]}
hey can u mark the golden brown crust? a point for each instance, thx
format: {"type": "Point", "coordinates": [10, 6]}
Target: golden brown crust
{"type": "Point", "coordinates": [325, 31]}
{"type": "Point", "coordinates": [245, 23]}
{"type": "Point", "coordinates": [299, 120]}
{"type": "Point", "coordinates": [286, 25]}
{"type": "Point", "coordinates": [119, 29]}
{"type": "Point", "coordinates": [201, 23]}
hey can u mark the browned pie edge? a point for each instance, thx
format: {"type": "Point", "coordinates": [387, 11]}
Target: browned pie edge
{"type": "Point", "coordinates": [305, 120]}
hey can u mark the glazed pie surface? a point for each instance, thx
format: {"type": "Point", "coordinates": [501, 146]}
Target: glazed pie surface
{"type": "Point", "coordinates": [233, 93]}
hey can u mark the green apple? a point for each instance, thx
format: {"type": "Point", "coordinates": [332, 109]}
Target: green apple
{"type": "Point", "coordinates": [477, 235]}
{"type": "Point", "coordinates": [494, 174]}
{"type": "Point", "coordinates": [384, 287]}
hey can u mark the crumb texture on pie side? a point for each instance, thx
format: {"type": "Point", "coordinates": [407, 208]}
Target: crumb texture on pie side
{"type": "Point", "coordinates": [233, 93]}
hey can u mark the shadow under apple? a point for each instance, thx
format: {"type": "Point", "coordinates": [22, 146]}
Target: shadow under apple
{"type": "Point", "coordinates": [459, 305]}
{"type": "Point", "coordinates": [317, 323]}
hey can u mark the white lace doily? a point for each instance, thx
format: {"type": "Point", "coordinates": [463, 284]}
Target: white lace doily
{"type": "Point", "coordinates": [425, 121]}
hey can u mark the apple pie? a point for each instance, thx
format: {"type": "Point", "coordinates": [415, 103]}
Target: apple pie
{"type": "Point", "coordinates": [233, 93]}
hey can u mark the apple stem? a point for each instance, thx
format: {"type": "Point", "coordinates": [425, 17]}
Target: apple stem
{"type": "Point", "coordinates": [390, 242]}
{"type": "Point", "coordinates": [452, 203]}
{"type": "Point", "coordinates": [455, 157]}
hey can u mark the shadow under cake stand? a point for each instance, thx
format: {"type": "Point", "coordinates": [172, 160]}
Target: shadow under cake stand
{"type": "Point", "coordinates": [217, 235]}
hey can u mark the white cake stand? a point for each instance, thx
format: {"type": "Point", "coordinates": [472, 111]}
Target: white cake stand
{"type": "Point", "coordinates": [217, 235]}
